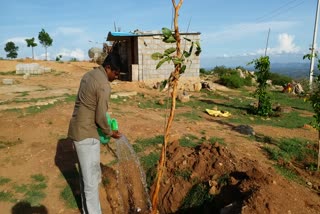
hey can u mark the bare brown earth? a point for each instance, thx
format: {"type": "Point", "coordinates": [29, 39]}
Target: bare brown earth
{"type": "Point", "coordinates": [37, 144]}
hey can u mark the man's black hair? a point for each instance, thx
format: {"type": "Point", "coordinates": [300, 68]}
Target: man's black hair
{"type": "Point", "coordinates": [113, 59]}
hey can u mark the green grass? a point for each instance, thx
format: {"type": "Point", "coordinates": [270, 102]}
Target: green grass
{"type": "Point", "coordinates": [37, 109]}
{"type": "Point", "coordinates": [67, 195]}
{"type": "Point", "coordinates": [293, 149]}
{"type": "Point", "coordinates": [24, 93]}
{"type": "Point", "coordinates": [70, 97]}
{"type": "Point", "coordinates": [185, 174]}
{"type": "Point", "coordinates": [38, 177]}
{"type": "Point", "coordinates": [7, 196]}
{"type": "Point", "coordinates": [239, 108]}
{"type": "Point", "coordinates": [6, 144]}
{"type": "Point", "coordinates": [294, 101]}
{"type": "Point", "coordinates": [4, 180]}
{"type": "Point", "coordinates": [4, 73]}
{"type": "Point", "coordinates": [32, 192]}
{"type": "Point", "coordinates": [150, 160]}
{"type": "Point", "coordinates": [20, 188]}
{"type": "Point", "coordinates": [191, 116]}
{"type": "Point", "coordinates": [196, 197]}
{"type": "Point", "coordinates": [189, 141]}
{"type": "Point", "coordinates": [287, 173]}
{"type": "Point", "coordinates": [217, 139]}
{"type": "Point", "coordinates": [141, 144]}
{"type": "Point", "coordinates": [288, 120]}
{"type": "Point", "coordinates": [34, 196]}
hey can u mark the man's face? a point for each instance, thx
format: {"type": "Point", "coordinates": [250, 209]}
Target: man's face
{"type": "Point", "coordinates": [112, 74]}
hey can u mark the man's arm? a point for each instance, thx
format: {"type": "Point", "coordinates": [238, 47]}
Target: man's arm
{"type": "Point", "coordinates": [102, 107]}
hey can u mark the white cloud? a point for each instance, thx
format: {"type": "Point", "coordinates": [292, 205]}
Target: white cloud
{"type": "Point", "coordinates": [285, 45]}
{"type": "Point", "coordinates": [17, 40]}
{"type": "Point", "coordinates": [238, 31]}
{"type": "Point", "coordinates": [77, 53]}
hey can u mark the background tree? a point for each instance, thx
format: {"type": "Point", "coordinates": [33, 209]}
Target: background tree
{"type": "Point", "coordinates": [31, 43]}
{"type": "Point", "coordinates": [45, 40]}
{"type": "Point", "coordinates": [264, 104]}
{"type": "Point", "coordinates": [314, 99]}
{"type": "Point", "coordinates": [12, 50]}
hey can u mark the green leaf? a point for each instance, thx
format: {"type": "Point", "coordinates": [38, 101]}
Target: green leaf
{"type": "Point", "coordinates": [186, 54]}
{"type": "Point", "coordinates": [189, 40]}
{"type": "Point", "coordinates": [177, 61]}
{"type": "Point", "coordinates": [170, 39]}
{"type": "Point", "coordinates": [157, 56]}
{"type": "Point", "coordinates": [198, 51]}
{"type": "Point", "coordinates": [163, 61]}
{"type": "Point", "coordinates": [166, 32]}
{"type": "Point", "coordinates": [191, 48]}
{"type": "Point", "coordinates": [182, 69]}
{"type": "Point", "coordinates": [169, 51]}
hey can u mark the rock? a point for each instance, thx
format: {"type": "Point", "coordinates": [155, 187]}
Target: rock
{"type": "Point", "coordinates": [183, 97]}
{"type": "Point", "coordinates": [114, 96]}
{"type": "Point", "coordinates": [197, 86]}
{"type": "Point", "coordinates": [245, 129]}
{"type": "Point", "coordinates": [26, 76]}
{"type": "Point", "coordinates": [161, 102]}
{"type": "Point", "coordinates": [213, 190]}
{"type": "Point", "coordinates": [126, 93]}
{"type": "Point", "coordinates": [7, 81]}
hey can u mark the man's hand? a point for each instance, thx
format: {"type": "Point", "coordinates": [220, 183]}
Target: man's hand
{"type": "Point", "coordinates": [116, 134]}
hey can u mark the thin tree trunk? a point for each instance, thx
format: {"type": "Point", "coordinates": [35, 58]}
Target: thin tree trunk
{"type": "Point", "coordinates": [174, 78]}
{"type": "Point", "coordinates": [318, 166]}
{"type": "Point", "coordinates": [46, 54]}
{"type": "Point", "coordinates": [32, 54]}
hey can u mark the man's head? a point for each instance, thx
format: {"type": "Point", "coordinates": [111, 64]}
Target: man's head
{"type": "Point", "coordinates": [112, 65]}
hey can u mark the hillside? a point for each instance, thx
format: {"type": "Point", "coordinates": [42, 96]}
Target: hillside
{"type": "Point", "coordinates": [213, 164]}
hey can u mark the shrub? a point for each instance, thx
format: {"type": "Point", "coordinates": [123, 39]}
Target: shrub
{"type": "Point", "coordinates": [221, 70]}
{"type": "Point", "coordinates": [279, 79]}
{"type": "Point", "coordinates": [232, 79]}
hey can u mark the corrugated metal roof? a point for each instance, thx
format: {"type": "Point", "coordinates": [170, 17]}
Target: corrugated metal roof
{"type": "Point", "coordinates": [113, 36]}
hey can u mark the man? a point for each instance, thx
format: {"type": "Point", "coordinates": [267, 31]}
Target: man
{"type": "Point", "coordinates": [90, 113]}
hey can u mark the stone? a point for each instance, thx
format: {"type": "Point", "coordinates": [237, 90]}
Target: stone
{"type": "Point", "coordinates": [197, 86]}
{"type": "Point", "coordinates": [7, 81]}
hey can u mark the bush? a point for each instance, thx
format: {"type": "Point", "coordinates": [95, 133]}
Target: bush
{"type": "Point", "coordinates": [279, 79]}
{"type": "Point", "coordinates": [233, 80]}
{"type": "Point", "coordinates": [221, 70]}
{"type": "Point", "coordinates": [204, 71]}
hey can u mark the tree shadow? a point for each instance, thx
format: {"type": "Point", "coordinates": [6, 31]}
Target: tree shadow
{"type": "Point", "coordinates": [66, 160]}
{"type": "Point", "coordinates": [238, 107]}
{"type": "Point", "coordinates": [26, 208]}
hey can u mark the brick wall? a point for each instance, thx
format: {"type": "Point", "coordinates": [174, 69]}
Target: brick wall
{"type": "Point", "coordinates": [147, 45]}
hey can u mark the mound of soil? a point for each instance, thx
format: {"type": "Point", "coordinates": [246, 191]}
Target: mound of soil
{"type": "Point", "coordinates": [210, 179]}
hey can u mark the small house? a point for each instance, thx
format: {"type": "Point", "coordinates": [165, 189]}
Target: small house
{"type": "Point", "coordinates": [136, 49]}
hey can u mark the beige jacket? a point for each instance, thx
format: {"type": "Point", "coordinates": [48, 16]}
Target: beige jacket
{"type": "Point", "coordinates": [91, 106]}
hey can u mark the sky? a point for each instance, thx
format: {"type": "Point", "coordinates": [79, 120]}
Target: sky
{"type": "Point", "coordinates": [233, 32]}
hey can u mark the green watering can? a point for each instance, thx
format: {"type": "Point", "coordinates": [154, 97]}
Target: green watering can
{"type": "Point", "coordinates": [113, 124]}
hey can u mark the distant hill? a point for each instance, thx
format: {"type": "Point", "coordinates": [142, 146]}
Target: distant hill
{"type": "Point", "coordinates": [294, 70]}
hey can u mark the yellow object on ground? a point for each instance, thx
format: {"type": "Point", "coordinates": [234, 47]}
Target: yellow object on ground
{"type": "Point", "coordinates": [218, 113]}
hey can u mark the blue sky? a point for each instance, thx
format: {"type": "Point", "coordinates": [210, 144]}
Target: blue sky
{"type": "Point", "coordinates": [233, 32]}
